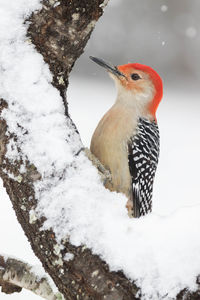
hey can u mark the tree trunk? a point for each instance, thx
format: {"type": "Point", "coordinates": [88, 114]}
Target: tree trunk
{"type": "Point", "coordinates": [60, 31]}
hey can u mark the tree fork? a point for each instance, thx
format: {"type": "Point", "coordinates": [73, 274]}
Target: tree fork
{"type": "Point", "coordinates": [60, 31]}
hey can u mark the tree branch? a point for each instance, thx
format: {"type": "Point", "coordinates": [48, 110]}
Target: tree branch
{"type": "Point", "coordinates": [60, 31]}
{"type": "Point", "coordinates": [15, 275]}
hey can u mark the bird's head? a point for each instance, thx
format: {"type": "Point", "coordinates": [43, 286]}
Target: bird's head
{"type": "Point", "coordinates": [137, 84]}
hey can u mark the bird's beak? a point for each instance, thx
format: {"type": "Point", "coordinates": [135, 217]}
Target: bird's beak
{"type": "Point", "coordinates": [112, 69]}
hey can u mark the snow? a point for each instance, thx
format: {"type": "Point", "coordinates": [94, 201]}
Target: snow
{"type": "Point", "coordinates": [160, 250]}
{"type": "Point", "coordinates": [164, 8]}
{"type": "Point", "coordinates": [191, 32]}
{"type": "Point", "coordinates": [68, 256]}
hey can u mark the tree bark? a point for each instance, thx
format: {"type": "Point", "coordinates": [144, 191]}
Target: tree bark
{"type": "Point", "coordinates": [60, 31]}
{"type": "Point", "coordinates": [15, 275]}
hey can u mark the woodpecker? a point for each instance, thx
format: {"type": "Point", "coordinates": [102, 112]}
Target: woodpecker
{"type": "Point", "coordinates": [126, 140]}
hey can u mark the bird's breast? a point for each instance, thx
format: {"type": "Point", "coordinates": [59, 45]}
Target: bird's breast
{"type": "Point", "coordinates": [110, 145]}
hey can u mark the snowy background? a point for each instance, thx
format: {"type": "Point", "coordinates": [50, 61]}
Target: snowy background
{"type": "Point", "coordinates": [165, 35]}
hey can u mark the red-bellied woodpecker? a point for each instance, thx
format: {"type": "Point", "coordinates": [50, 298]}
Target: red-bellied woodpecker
{"type": "Point", "coordinates": [126, 140]}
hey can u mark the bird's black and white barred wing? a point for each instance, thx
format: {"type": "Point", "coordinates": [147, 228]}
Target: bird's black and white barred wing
{"type": "Point", "coordinates": [143, 160]}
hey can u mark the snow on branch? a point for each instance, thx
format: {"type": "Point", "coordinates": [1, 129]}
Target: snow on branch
{"type": "Point", "coordinates": [79, 230]}
{"type": "Point", "coordinates": [34, 121]}
{"type": "Point", "coordinates": [15, 275]}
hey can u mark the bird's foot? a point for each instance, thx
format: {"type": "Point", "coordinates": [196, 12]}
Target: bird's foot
{"type": "Point", "coordinates": [129, 206]}
{"type": "Point", "coordinates": [104, 173]}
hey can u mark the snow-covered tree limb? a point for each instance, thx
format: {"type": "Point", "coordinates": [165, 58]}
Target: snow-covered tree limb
{"type": "Point", "coordinates": [59, 31]}
{"type": "Point", "coordinates": [16, 275]}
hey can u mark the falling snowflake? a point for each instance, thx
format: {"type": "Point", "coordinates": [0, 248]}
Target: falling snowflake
{"type": "Point", "coordinates": [191, 32]}
{"type": "Point", "coordinates": [164, 8]}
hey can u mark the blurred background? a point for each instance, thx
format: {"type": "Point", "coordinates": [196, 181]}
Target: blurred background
{"type": "Point", "coordinates": [161, 33]}
{"type": "Point", "coordinates": [164, 34]}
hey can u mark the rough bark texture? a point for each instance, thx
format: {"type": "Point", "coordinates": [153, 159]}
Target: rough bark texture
{"type": "Point", "coordinates": [15, 275]}
{"type": "Point", "coordinates": [60, 32]}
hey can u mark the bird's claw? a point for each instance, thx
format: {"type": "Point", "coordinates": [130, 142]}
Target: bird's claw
{"type": "Point", "coordinates": [129, 206]}
{"type": "Point", "coordinates": [104, 173]}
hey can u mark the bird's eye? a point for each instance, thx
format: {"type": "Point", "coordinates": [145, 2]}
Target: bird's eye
{"type": "Point", "coordinates": [135, 76]}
